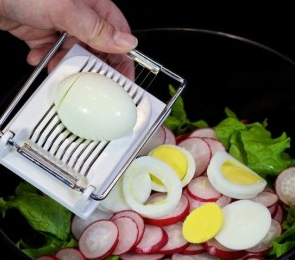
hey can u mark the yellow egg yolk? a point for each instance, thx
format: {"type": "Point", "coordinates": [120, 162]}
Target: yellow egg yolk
{"type": "Point", "coordinates": [173, 157]}
{"type": "Point", "coordinates": [203, 223]}
{"type": "Point", "coordinates": [239, 175]}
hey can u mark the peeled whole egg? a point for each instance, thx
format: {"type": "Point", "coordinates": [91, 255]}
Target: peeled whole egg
{"type": "Point", "coordinates": [233, 178]}
{"type": "Point", "coordinates": [95, 107]}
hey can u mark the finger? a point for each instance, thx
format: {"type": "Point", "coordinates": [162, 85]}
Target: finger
{"type": "Point", "coordinates": [96, 31]}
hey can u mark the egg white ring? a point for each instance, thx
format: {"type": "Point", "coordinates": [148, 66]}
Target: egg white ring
{"type": "Point", "coordinates": [115, 201]}
{"type": "Point", "coordinates": [191, 168]}
{"type": "Point", "coordinates": [146, 165]}
{"type": "Point", "coordinates": [226, 187]}
{"type": "Point", "coordinates": [246, 223]}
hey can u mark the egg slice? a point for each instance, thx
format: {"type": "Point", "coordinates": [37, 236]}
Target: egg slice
{"type": "Point", "coordinates": [179, 159]}
{"type": "Point", "coordinates": [245, 224]}
{"type": "Point", "coordinates": [95, 107]}
{"type": "Point", "coordinates": [232, 178]}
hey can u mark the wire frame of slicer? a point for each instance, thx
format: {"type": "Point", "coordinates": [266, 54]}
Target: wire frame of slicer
{"type": "Point", "coordinates": [79, 173]}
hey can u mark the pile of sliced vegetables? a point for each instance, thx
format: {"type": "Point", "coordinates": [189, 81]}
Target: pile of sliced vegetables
{"type": "Point", "coordinates": [167, 205]}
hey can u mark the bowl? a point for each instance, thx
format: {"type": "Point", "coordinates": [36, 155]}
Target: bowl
{"type": "Point", "coordinates": [222, 70]}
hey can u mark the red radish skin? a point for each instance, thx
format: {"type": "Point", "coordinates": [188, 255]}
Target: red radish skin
{"type": "Point", "coordinates": [285, 186]}
{"type": "Point", "coordinates": [176, 242]}
{"type": "Point", "coordinates": [90, 244]}
{"type": "Point", "coordinates": [179, 213]}
{"type": "Point", "coordinates": [193, 249]}
{"type": "Point", "coordinates": [273, 209]}
{"type": "Point", "coordinates": [47, 257]}
{"type": "Point", "coordinates": [128, 234]}
{"type": "Point", "coordinates": [154, 238]}
{"type": "Point", "coordinates": [201, 189]}
{"type": "Point", "coordinates": [213, 247]}
{"type": "Point", "coordinates": [69, 253]}
{"type": "Point", "coordinates": [200, 151]}
{"type": "Point", "coordinates": [136, 217]}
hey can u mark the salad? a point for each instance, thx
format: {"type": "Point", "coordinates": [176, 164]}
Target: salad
{"type": "Point", "coordinates": [149, 234]}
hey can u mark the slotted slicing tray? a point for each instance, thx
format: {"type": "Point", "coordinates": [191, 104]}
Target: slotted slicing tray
{"type": "Point", "coordinates": [76, 172]}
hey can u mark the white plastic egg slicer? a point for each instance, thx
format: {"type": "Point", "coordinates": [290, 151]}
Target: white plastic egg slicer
{"type": "Point", "coordinates": [79, 173]}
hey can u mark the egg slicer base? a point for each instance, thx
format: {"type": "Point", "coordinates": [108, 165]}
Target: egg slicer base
{"type": "Point", "coordinates": [78, 173]}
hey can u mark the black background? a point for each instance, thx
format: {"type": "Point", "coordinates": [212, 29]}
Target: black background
{"type": "Point", "coordinates": [273, 26]}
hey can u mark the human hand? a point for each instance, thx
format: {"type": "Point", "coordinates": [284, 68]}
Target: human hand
{"type": "Point", "coordinates": [97, 24]}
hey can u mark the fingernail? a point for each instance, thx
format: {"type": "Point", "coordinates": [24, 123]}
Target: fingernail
{"type": "Point", "coordinates": [125, 40]}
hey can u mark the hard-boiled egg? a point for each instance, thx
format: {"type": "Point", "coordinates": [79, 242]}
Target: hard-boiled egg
{"type": "Point", "coordinates": [245, 224]}
{"type": "Point", "coordinates": [179, 159]}
{"type": "Point", "coordinates": [145, 165]}
{"type": "Point", "coordinates": [95, 107]}
{"type": "Point", "coordinates": [232, 178]}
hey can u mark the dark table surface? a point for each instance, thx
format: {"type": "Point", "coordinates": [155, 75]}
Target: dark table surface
{"type": "Point", "coordinates": [274, 27]}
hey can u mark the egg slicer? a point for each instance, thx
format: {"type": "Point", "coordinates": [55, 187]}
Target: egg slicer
{"type": "Point", "coordinates": [78, 173]}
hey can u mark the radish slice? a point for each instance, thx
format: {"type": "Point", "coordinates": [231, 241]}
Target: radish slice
{"type": "Point", "coordinates": [154, 238]}
{"type": "Point", "coordinates": [47, 257]}
{"type": "Point", "coordinates": [193, 249]}
{"type": "Point", "coordinates": [134, 256]}
{"type": "Point", "coordinates": [280, 214]}
{"type": "Point", "coordinates": [266, 198]}
{"type": "Point", "coordinates": [214, 144]}
{"type": "Point", "coordinates": [213, 247]}
{"type": "Point", "coordinates": [176, 242]}
{"type": "Point", "coordinates": [202, 256]}
{"type": "Point", "coordinates": [158, 138]}
{"type": "Point", "coordinates": [266, 244]}
{"type": "Point", "coordinates": [148, 164]}
{"type": "Point", "coordinates": [285, 186]}
{"type": "Point", "coordinates": [204, 132]}
{"type": "Point", "coordinates": [201, 189]}
{"type": "Point", "coordinates": [128, 234]}
{"type": "Point", "coordinates": [79, 224]}
{"type": "Point", "coordinates": [245, 224]}
{"type": "Point", "coordinates": [200, 151]}
{"type": "Point", "coordinates": [69, 253]}
{"type": "Point", "coordinates": [253, 257]}
{"type": "Point", "coordinates": [169, 136]}
{"type": "Point", "coordinates": [90, 243]}
{"type": "Point", "coordinates": [173, 217]}
{"type": "Point", "coordinates": [136, 217]}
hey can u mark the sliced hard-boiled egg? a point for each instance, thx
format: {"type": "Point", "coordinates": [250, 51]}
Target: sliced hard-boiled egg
{"type": "Point", "coordinates": [115, 201]}
{"type": "Point", "coordinates": [95, 107]}
{"type": "Point", "coordinates": [232, 178]}
{"type": "Point", "coordinates": [203, 223]}
{"type": "Point", "coordinates": [179, 159]}
{"type": "Point", "coordinates": [167, 176]}
{"type": "Point", "coordinates": [245, 224]}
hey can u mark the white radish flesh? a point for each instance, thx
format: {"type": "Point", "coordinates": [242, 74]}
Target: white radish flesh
{"type": "Point", "coordinates": [69, 254]}
{"type": "Point", "coordinates": [285, 186]}
{"type": "Point", "coordinates": [136, 217]}
{"type": "Point", "coordinates": [128, 235]}
{"type": "Point", "coordinates": [99, 239]}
